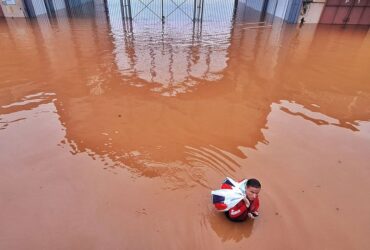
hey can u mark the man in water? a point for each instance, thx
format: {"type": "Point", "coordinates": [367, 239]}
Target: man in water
{"type": "Point", "coordinates": [248, 207]}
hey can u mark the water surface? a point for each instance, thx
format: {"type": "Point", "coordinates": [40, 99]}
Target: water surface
{"type": "Point", "coordinates": [112, 138]}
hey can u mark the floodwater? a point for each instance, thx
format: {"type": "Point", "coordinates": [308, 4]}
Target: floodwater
{"type": "Point", "coordinates": [112, 139]}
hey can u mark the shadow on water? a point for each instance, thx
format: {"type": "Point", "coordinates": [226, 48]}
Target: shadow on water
{"type": "Point", "coordinates": [227, 230]}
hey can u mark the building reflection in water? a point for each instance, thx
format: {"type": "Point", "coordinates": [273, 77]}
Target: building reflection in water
{"type": "Point", "coordinates": [174, 57]}
{"type": "Point", "coordinates": [180, 105]}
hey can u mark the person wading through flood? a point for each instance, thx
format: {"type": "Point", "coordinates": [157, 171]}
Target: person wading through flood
{"type": "Point", "coordinates": [248, 207]}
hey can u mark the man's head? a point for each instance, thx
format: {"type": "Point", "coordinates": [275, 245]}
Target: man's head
{"type": "Point", "coordinates": [253, 188]}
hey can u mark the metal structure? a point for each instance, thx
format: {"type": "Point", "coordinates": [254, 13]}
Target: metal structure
{"type": "Point", "coordinates": [174, 12]}
{"type": "Point", "coordinates": [132, 10]}
{"type": "Point", "coordinates": [161, 10]}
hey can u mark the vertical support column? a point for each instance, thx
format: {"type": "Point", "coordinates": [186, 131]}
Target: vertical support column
{"type": "Point", "coordinates": [68, 7]}
{"type": "Point", "coordinates": [195, 10]}
{"type": "Point", "coordinates": [106, 11]}
{"type": "Point", "coordinates": [126, 14]}
{"type": "Point", "coordinates": [30, 11]}
{"type": "Point", "coordinates": [50, 10]}
{"type": "Point", "coordinates": [264, 10]}
{"type": "Point", "coordinates": [162, 20]}
{"type": "Point", "coordinates": [201, 20]}
{"type": "Point", "coordinates": [105, 6]}
{"type": "Point", "coordinates": [129, 10]}
{"type": "Point", "coordinates": [236, 2]}
{"type": "Point", "coordinates": [162, 11]}
{"type": "Point", "coordinates": [122, 6]}
{"type": "Point", "coordinates": [129, 15]}
{"type": "Point", "coordinates": [199, 9]}
{"type": "Point", "coordinates": [198, 12]}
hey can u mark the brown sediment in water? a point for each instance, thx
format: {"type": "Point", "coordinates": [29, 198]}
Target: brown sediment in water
{"type": "Point", "coordinates": [112, 141]}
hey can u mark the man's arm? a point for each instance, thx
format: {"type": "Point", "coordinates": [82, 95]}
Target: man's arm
{"type": "Point", "coordinates": [253, 213]}
{"type": "Point", "coordinates": [238, 210]}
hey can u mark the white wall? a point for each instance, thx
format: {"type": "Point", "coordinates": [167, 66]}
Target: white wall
{"type": "Point", "coordinates": [16, 10]}
{"type": "Point", "coordinates": [314, 11]}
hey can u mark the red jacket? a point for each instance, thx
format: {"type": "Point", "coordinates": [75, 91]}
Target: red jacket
{"type": "Point", "coordinates": [240, 210]}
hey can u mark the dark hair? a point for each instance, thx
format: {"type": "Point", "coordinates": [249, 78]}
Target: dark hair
{"type": "Point", "coordinates": [253, 183]}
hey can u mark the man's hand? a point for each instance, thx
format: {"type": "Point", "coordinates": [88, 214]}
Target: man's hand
{"type": "Point", "coordinates": [250, 215]}
{"type": "Point", "coordinates": [253, 215]}
{"type": "Point", "coordinates": [247, 203]}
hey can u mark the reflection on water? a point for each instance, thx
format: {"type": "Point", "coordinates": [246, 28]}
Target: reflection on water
{"type": "Point", "coordinates": [230, 231]}
{"type": "Point", "coordinates": [173, 61]}
{"type": "Point", "coordinates": [174, 58]}
{"type": "Point", "coordinates": [114, 90]}
{"type": "Point", "coordinates": [189, 106]}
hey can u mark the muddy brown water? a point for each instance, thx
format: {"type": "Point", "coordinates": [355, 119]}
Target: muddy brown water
{"type": "Point", "coordinates": [113, 140]}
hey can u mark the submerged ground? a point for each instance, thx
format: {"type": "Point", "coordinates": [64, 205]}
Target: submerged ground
{"type": "Point", "coordinates": [112, 139]}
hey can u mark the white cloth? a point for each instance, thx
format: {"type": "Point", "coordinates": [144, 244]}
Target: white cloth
{"type": "Point", "coordinates": [232, 196]}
